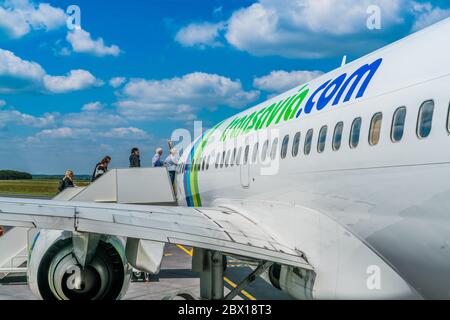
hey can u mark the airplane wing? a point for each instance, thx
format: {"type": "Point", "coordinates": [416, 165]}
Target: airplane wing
{"type": "Point", "coordinates": [219, 229]}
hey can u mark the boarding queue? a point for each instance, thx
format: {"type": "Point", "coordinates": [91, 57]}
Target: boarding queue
{"type": "Point", "coordinates": [170, 162]}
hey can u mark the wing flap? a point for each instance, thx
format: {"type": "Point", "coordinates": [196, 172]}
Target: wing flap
{"type": "Point", "coordinates": [219, 229]}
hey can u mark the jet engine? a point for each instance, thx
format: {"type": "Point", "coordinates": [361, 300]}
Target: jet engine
{"type": "Point", "coordinates": [296, 282]}
{"type": "Point", "coordinates": [56, 272]}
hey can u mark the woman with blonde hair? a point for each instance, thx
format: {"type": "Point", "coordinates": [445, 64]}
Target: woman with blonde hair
{"type": "Point", "coordinates": [67, 181]}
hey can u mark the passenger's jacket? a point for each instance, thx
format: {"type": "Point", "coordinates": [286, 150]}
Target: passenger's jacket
{"type": "Point", "coordinates": [171, 163]}
{"type": "Point", "coordinates": [65, 183]}
{"type": "Point", "coordinates": [135, 161]}
{"type": "Point", "coordinates": [156, 161]}
{"type": "Point", "coordinates": [98, 171]}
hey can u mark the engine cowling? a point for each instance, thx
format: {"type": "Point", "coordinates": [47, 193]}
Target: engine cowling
{"type": "Point", "coordinates": [55, 274]}
{"type": "Point", "coordinates": [296, 282]}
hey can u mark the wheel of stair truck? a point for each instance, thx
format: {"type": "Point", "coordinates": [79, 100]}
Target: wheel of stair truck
{"type": "Point", "coordinates": [59, 276]}
{"type": "Point", "coordinates": [138, 276]}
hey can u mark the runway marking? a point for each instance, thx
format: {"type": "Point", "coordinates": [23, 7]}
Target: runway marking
{"type": "Point", "coordinates": [231, 283]}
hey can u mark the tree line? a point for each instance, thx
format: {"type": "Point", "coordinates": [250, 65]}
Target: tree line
{"type": "Point", "coordinates": [14, 175]}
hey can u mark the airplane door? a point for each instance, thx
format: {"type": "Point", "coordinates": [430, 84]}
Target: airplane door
{"type": "Point", "coordinates": [245, 168]}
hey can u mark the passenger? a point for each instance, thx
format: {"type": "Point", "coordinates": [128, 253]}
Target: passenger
{"type": "Point", "coordinates": [156, 161]}
{"type": "Point", "coordinates": [135, 158]}
{"type": "Point", "coordinates": [101, 168]}
{"type": "Point", "coordinates": [67, 181]}
{"type": "Point", "coordinates": [171, 164]}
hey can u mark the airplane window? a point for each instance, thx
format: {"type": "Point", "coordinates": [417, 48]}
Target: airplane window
{"type": "Point", "coordinates": [187, 167]}
{"type": "Point", "coordinates": [233, 157]}
{"type": "Point", "coordinates": [322, 139]}
{"type": "Point", "coordinates": [296, 144]}
{"type": "Point", "coordinates": [222, 160]}
{"type": "Point", "coordinates": [448, 119]}
{"type": "Point", "coordinates": [308, 141]}
{"type": "Point", "coordinates": [207, 162]}
{"type": "Point", "coordinates": [284, 146]}
{"type": "Point", "coordinates": [375, 129]}
{"type": "Point", "coordinates": [264, 150]}
{"type": "Point", "coordinates": [354, 132]}
{"type": "Point", "coordinates": [337, 136]}
{"type": "Point", "coordinates": [238, 158]}
{"type": "Point", "coordinates": [273, 152]}
{"type": "Point", "coordinates": [425, 119]}
{"type": "Point", "coordinates": [217, 160]}
{"type": "Point", "coordinates": [246, 152]}
{"type": "Point", "coordinates": [255, 152]}
{"type": "Point", "coordinates": [198, 166]}
{"type": "Point", "coordinates": [398, 124]}
{"type": "Point", "coordinates": [227, 158]}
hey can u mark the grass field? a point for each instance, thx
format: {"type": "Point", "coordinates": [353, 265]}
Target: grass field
{"type": "Point", "coordinates": [40, 187]}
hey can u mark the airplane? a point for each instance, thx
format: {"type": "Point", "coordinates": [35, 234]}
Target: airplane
{"type": "Point", "coordinates": [336, 189]}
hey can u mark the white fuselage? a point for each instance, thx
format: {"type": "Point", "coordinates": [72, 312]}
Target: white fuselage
{"type": "Point", "coordinates": [373, 220]}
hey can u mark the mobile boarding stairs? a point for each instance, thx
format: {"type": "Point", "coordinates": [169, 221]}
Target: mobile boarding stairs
{"type": "Point", "coordinates": [150, 186]}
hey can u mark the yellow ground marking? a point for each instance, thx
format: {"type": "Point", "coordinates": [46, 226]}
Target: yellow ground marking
{"type": "Point", "coordinates": [188, 252]}
{"type": "Point", "coordinates": [168, 254]}
{"type": "Point", "coordinates": [231, 283]}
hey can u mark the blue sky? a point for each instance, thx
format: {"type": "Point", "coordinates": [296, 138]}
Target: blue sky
{"type": "Point", "coordinates": [136, 70]}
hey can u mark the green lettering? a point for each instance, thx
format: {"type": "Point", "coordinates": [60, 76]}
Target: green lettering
{"type": "Point", "coordinates": [274, 113]}
{"type": "Point", "coordinates": [283, 108]}
{"type": "Point", "coordinates": [230, 126]}
{"type": "Point", "coordinates": [253, 118]}
{"type": "Point", "coordinates": [264, 114]}
{"type": "Point", "coordinates": [290, 113]}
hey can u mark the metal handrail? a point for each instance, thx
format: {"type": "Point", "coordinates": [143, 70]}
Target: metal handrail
{"type": "Point", "coordinates": [13, 270]}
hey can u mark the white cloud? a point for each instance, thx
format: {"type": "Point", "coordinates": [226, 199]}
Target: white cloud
{"type": "Point", "coordinates": [19, 17]}
{"type": "Point", "coordinates": [81, 41]}
{"type": "Point", "coordinates": [75, 80]}
{"type": "Point", "coordinates": [306, 28]}
{"type": "Point", "coordinates": [2, 103]}
{"type": "Point", "coordinates": [130, 132]}
{"type": "Point", "coordinates": [313, 28]}
{"type": "Point", "coordinates": [92, 119]}
{"type": "Point", "coordinates": [89, 134]}
{"type": "Point", "coordinates": [200, 34]}
{"type": "Point", "coordinates": [15, 117]}
{"type": "Point", "coordinates": [64, 132]}
{"type": "Point", "coordinates": [280, 81]}
{"type": "Point", "coordinates": [117, 82]}
{"type": "Point", "coordinates": [17, 74]}
{"type": "Point", "coordinates": [426, 14]}
{"type": "Point", "coordinates": [181, 97]}
{"type": "Point", "coordinates": [93, 106]}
